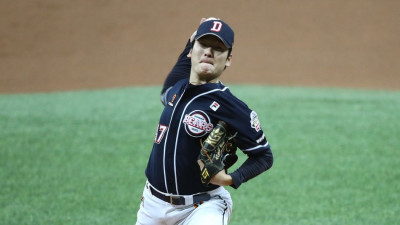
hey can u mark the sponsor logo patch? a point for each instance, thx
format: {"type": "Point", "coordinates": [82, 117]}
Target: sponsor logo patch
{"type": "Point", "coordinates": [197, 123]}
{"type": "Point", "coordinates": [254, 121]}
{"type": "Point", "coordinates": [214, 106]}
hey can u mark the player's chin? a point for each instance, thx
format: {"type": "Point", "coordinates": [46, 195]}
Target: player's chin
{"type": "Point", "coordinates": [208, 76]}
{"type": "Point", "coordinates": [206, 68]}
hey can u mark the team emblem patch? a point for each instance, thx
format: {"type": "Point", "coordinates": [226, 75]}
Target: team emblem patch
{"type": "Point", "coordinates": [214, 106]}
{"type": "Point", "coordinates": [197, 123]}
{"type": "Point", "coordinates": [254, 121]}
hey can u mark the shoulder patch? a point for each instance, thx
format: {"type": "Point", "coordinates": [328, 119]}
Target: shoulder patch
{"type": "Point", "coordinates": [171, 103]}
{"type": "Point", "coordinates": [254, 121]}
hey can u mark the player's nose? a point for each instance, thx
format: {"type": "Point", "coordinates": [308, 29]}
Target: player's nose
{"type": "Point", "coordinates": [208, 51]}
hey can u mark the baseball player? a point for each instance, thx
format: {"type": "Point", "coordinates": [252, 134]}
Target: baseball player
{"type": "Point", "coordinates": [187, 171]}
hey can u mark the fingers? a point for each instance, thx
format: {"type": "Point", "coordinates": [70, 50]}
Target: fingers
{"type": "Point", "coordinates": [222, 179]}
{"type": "Point", "coordinates": [201, 164]}
{"type": "Point", "coordinates": [210, 18]}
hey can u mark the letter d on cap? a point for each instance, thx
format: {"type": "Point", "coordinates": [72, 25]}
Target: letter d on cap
{"type": "Point", "coordinates": [217, 26]}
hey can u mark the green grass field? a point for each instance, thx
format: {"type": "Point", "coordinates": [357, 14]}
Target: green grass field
{"type": "Point", "coordinates": [79, 157]}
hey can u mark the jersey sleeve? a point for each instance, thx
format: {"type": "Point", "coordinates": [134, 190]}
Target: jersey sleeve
{"type": "Point", "coordinates": [251, 138]}
{"type": "Point", "coordinates": [169, 95]}
{"type": "Point", "coordinates": [252, 141]}
{"type": "Point", "coordinates": [181, 70]}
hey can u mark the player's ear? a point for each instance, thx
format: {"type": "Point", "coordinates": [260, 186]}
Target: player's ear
{"type": "Point", "coordinates": [228, 60]}
{"type": "Point", "coordinates": [189, 55]}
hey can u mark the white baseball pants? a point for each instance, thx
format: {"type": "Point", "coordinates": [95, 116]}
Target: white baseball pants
{"type": "Point", "coordinates": [215, 211]}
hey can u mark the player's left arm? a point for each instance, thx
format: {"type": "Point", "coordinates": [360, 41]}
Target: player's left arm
{"type": "Point", "coordinates": [253, 142]}
{"type": "Point", "coordinates": [255, 164]}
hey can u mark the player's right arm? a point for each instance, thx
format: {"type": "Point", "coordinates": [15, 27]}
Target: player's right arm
{"type": "Point", "coordinates": [181, 70]}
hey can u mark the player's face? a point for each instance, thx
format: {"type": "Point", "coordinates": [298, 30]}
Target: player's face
{"type": "Point", "coordinates": [209, 58]}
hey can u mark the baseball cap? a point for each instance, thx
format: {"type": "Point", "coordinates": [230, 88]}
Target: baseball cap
{"type": "Point", "coordinates": [217, 28]}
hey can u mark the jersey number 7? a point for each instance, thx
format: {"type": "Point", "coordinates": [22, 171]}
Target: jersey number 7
{"type": "Point", "coordinates": [160, 133]}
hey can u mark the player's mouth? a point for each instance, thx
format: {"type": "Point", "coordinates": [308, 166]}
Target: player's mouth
{"type": "Point", "coordinates": [207, 61]}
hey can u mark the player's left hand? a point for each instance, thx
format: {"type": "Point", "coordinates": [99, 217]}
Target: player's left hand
{"type": "Point", "coordinates": [213, 157]}
{"type": "Point", "coordinates": [221, 178]}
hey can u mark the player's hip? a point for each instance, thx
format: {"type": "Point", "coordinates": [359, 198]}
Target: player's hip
{"type": "Point", "coordinates": [154, 210]}
{"type": "Point", "coordinates": [191, 199]}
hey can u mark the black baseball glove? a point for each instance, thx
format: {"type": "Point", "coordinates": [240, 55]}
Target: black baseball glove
{"type": "Point", "coordinates": [217, 152]}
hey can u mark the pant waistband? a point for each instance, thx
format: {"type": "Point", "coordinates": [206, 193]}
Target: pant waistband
{"type": "Point", "coordinates": [179, 199]}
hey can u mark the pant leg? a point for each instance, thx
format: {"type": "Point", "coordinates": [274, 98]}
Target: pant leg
{"type": "Point", "coordinates": [154, 211]}
{"type": "Point", "coordinates": [216, 211]}
{"type": "Point", "coordinates": [146, 214]}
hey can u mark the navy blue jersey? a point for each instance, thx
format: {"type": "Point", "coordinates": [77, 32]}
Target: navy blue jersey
{"type": "Point", "coordinates": [190, 113]}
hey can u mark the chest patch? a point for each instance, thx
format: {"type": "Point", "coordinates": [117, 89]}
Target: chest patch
{"type": "Point", "coordinates": [197, 123]}
{"type": "Point", "coordinates": [214, 106]}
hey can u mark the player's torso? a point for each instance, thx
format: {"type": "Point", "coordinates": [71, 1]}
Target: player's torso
{"type": "Point", "coordinates": [191, 113]}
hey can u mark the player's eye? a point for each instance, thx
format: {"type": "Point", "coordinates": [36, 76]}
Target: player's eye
{"type": "Point", "coordinates": [215, 47]}
{"type": "Point", "coordinates": [220, 49]}
{"type": "Point", "coordinates": [204, 44]}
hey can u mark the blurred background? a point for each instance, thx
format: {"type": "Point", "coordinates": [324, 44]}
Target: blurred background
{"type": "Point", "coordinates": [78, 157]}
{"type": "Point", "coordinates": [48, 45]}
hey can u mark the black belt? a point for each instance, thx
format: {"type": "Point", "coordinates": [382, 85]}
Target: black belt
{"type": "Point", "coordinates": [179, 200]}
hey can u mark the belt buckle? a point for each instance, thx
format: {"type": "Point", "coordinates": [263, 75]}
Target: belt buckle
{"type": "Point", "coordinates": [172, 198]}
